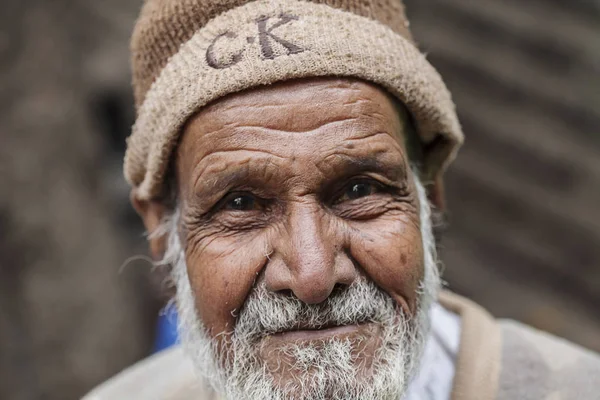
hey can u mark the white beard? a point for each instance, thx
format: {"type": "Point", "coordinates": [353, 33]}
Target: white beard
{"type": "Point", "coordinates": [327, 371]}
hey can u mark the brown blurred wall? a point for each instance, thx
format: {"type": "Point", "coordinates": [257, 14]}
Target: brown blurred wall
{"type": "Point", "coordinates": [68, 318]}
{"type": "Point", "coordinates": [524, 194]}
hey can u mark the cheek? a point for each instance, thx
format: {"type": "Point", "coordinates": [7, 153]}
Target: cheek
{"type": "Point", "coordinates": [222, 273]}
{"type": "Point", "coordinates": [390, 250]}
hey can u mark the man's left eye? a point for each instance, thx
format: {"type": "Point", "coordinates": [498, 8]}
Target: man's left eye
{"type": "Point", "coordinates": [356, 190]}
{"type": "Point", "coordinates": [240, 202]}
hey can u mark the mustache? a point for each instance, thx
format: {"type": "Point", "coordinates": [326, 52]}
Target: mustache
{"type": "Point", "coordinates": [266, 312]}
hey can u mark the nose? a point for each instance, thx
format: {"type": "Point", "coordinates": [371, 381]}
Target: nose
{"type": "Point", "coordinates": [308, 259]}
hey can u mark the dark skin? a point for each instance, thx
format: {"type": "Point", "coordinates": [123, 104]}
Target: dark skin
{"type": "Point", "coordinates": [305, 185]}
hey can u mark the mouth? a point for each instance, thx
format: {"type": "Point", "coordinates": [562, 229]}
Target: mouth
{"type": "Point", "coordinates": [323, 332]}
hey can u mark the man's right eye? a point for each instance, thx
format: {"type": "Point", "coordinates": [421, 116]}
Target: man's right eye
{"type": "Point", "coordinates": [240, 202]}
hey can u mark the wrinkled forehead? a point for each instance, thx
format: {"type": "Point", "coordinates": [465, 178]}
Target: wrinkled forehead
{"type": "Point", "coordinates": [329, 111]}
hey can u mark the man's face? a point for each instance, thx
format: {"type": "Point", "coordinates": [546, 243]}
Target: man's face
{"type": "Point", "coordinates": [299, 217]}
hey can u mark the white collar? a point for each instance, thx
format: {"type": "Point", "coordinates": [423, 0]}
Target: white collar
{"type": "Point", "coordinates": [436, 373]}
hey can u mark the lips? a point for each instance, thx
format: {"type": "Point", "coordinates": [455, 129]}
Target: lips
{"type": "Point", "coordinates": [322, 332]}
{"type": "Point", "coordinates": [312, 326]}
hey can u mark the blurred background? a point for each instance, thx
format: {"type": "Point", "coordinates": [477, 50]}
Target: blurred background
{"type": "Point", "coordinates": [524, 194]}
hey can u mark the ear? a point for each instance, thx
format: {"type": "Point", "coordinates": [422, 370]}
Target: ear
{"type": "Point", "coordinates": [436, 195]}
{"type": "Point", "coordinates": [152, 213]}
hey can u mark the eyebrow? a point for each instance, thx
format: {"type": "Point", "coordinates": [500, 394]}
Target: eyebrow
{"type": "Point", "coordinates": [222, 181]}
{"type": "Point", "coordinates": [351, 165]}
{"type": "Point", "coordinates": [212, 183]}
{"type": "Point", "coordinates": [343, 166]}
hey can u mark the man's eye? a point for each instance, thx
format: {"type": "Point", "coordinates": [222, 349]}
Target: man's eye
{"type": "Point", "coordinates": [358, 190]}
{"type": "Point", "coordinates": [240, 202]}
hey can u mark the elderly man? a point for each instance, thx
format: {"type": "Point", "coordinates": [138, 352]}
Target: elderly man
{"type": "Point", "coordinates": [284, 159]}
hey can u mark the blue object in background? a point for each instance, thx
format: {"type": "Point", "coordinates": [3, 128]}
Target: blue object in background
{"type": "Point", "coordinates": [166, 329]}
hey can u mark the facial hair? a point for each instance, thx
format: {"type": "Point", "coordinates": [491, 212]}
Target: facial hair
{"type": "Point", "coordinates": [329, 370]}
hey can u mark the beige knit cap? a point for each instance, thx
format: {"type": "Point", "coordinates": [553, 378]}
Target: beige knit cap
{"type": "Point", "coordinates": [187, 53]}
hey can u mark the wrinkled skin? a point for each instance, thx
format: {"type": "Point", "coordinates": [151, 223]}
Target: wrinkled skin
{"type": "Point", "coordinates": [305, 184]}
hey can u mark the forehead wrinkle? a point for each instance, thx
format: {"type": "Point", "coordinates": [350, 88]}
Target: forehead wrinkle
{"type": "Point", "coordinates": [269, 108]}
{"type": "Point", "coordinates": [305, 120]}
{"type": "Point", "coordinates": [361, 136]}
{"type": "Point", "coordinates": [376, 121]}
{"type": "Point", "coordinates": [292, 103]}
{"type": "Point", "coordinates": [262, 127]}
{"type": "Point", "coordinates": [249, 134]}
{"type": "Point", "coordinates": [228, 154]}
{"type": "Point", "coordinates": [253, 110]}
{"type": "Point", "coordinates": [295, 115]}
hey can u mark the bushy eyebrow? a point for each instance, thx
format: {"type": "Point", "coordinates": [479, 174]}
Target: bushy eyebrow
{"type": "Point", "coordinates": [222, 181]}
{"type": "Point", "coordinates": [211, 183]}
{"type": "Point", "coordinates": [347, 165]}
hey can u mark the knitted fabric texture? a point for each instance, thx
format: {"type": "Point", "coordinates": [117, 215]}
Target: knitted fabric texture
{"type": "Point", "coordinates": [188, 53]}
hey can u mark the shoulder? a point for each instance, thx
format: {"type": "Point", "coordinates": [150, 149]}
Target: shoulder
{"type": "Point", "coordinates": [506, 360]}
{"type": "Point", "coordinates": [167, 375]}
{"type": "Point", "coordinates": [537, 365]}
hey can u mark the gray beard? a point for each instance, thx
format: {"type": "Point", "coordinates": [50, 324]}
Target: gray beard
{"type": "Point", "coordinates": [329, 370]}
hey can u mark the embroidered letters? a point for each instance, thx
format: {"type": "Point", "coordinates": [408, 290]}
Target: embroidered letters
{"type": "Point", "coordinates": [266, 40]}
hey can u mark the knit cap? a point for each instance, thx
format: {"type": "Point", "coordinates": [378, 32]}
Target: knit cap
{"type": "Point", "coordinates": [188, 53]}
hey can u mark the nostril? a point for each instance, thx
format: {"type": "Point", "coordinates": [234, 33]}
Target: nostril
{"type": "Point", "coordinates": [338, 288]}
{"type": "Point", "coordinates": [285, 292]}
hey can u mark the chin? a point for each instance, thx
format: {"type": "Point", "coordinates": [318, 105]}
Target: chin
{"type": "Point", "coordinates": [367, 362]}
{"type": "Point", "coordinates": [300, 356]}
